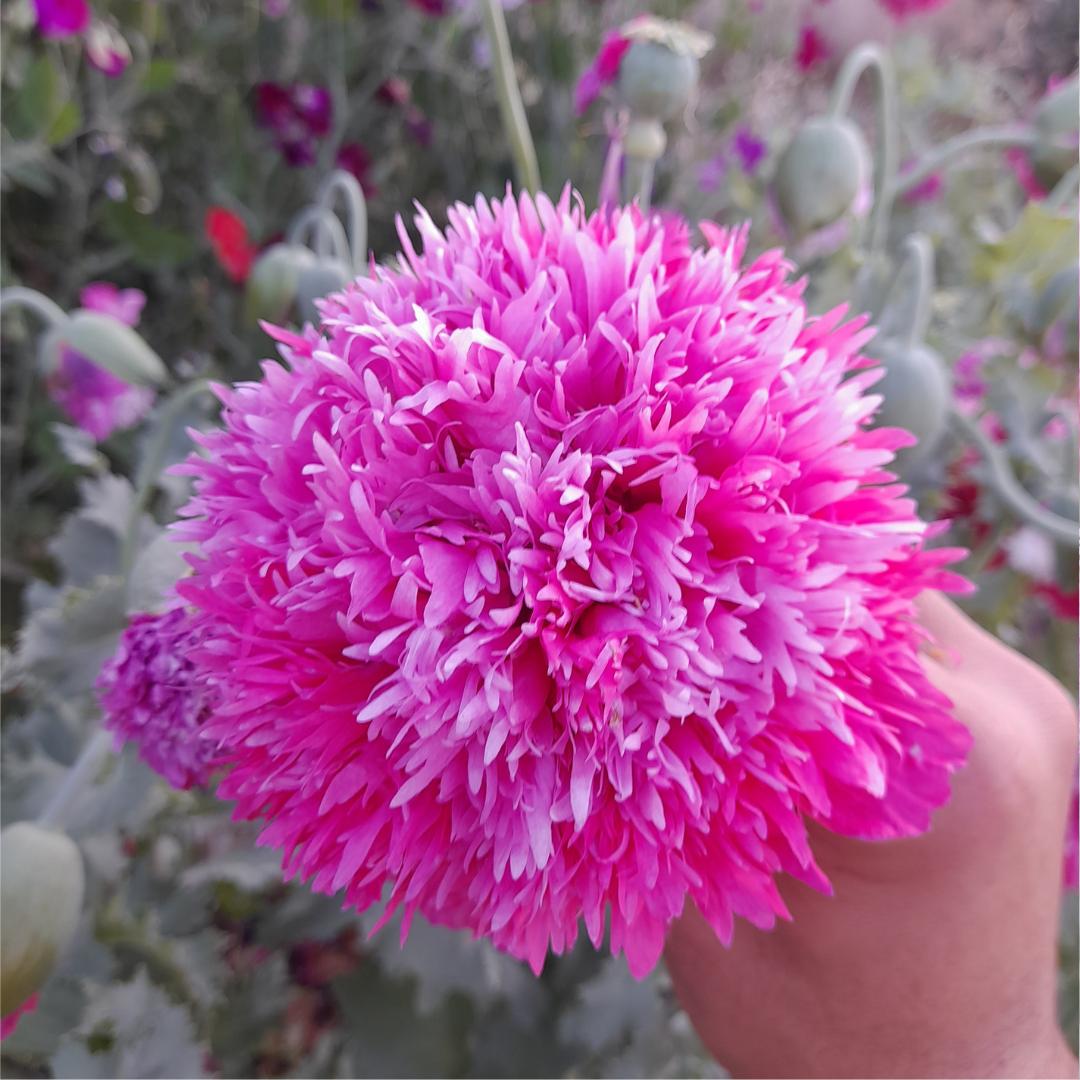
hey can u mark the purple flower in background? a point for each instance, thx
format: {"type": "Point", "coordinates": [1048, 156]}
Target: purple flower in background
{"type": "Point", "coordinates": [61, 18]}
{"type": "Point", "coordinates": [749, 149]}
{"type": "Point", "coordinates": [152, 694]}
{"type": "Point", "coordinates": [355, 159]}
{"type": "Point", "coordinates": [711, 173]}
{"type": "Point", "coordinates": [93, 398]}
{"type": "Point", "coordinates": [297, 116]}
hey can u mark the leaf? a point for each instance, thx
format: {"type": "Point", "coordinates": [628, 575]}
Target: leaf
{"type": "Point", "coordinates": [444, 961]}
{"type": "Point", "coordinates": [255, 1005]}
{"type": "Point", "coordinates": [302, 915]}
{"type": "Point", "coordinates": [65, 124]}
{"type": "Point", "coordinates": [79, 447]}
{"type": "Point", "coordinates": [160, 75]}
{"type": "Point", "coordinates": [150, 244]}
{"type": "Point", "coordinates": [144, 1033]}
{"type": "Point", "coordinates": [158, 567]}
{"type": "Point", "coordinates": [385, 1035]}
{"type": "Point", "coordinates": [611, 1005]}
{"type": "Point", "coordinates": [249, 870]}
{"type": "Point", "coordinates": [38, 99]}
{"type": "Point", "coordinates": [64, 644]}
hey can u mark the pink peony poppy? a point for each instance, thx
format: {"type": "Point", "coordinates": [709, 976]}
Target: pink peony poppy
{"type": "Point", "coordinates": [558, 574]}
{"type": "Point", "coordinates": [61, 18]}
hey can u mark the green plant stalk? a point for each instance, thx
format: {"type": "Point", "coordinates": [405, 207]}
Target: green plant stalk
{"type": "Point", "coordinates": [86, 767]}
{"type": "Point", "coordinates": [329, 233]}
{"type": "Point", "coordinates": [870, 57]}
{"type": "Point", "coordinates": [639, 179]}
{"type": "Point", "coordinates": [19, 296]}
{"type": "Point", "coordinates": [1064, 191]}
{"type": "Point", "coordinates": [945, 154]}
{"type": "Point", "coordinates": [515, 123]}
{"type": "Point", "coordinates": [918, 260]}
{"type": "Point", "coordinates": [346, 185]}
{"type": "Point", "coordinates": [1009, 489]}
{"type": "Point", "coordinates": [151, 467]}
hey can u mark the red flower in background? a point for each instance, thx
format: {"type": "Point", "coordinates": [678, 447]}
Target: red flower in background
{"type": "Point", "coordinates": [297, 116]}
{"type": "Point", "coordinates": [355, 159]}
{"type": "Point", "coordinates": [811, 49]}
{"type": "Point", "coordinates": [228, 236]}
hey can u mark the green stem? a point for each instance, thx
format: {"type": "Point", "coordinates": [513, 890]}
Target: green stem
{"type": "Point", "coordinates": [639, 179]}
{"type": "Point", "coordinates": [918, 261]}
{"type": "Point", "coordinates": [151, 467]}
{"type": "Point", "coordinates": [87, 765]}
{"type": "Point", "coordinates": [328, 230]}
{"type": "Point", "coordinates": [32, 300]}
{"type": "Point", "coordinates": [1009, 489]}
{"type": "Point", "coordinates": [511, 108]}
{"type": "Point", "coordinates": [346, 185]}
{"type": "Point", "coordinates": [948, 151]}
{"type": "Point", "coordinates": [870, 57]}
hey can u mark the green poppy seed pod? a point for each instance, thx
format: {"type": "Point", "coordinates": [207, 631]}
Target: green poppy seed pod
{"type": "Point", "coordinates": [110, 344]}
{"type": "Point", "coordinates": [318, 280]}
{"type": "Point", "coordinates": [821, 173]}
{"type": "Point", "coordinates": [1057, 126]}
{"type": "Point", "coordinates": [915, 391]}
{"type": "Point", "coordinates": [657, 81]}
{"type": "Point", "coordinates": [274, 280]}
{"type": "Point", "coordinates": [41, 893]}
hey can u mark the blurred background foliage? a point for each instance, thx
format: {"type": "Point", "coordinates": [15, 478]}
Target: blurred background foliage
{"type": "Point", "coordinates": [193, 958]}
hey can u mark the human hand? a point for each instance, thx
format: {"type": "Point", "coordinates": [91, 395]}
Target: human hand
{"type": "Point", "coordinates": [936, 956]}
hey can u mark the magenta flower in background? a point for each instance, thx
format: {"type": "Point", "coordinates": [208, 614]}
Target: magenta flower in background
{"type": "Point", "coordinates": [93, 398]}
{"type": "Point", "coordinates": [1071, 868]}
{"type": "Point", "coordinates": [810, 49]}
{"type": "Point", "coordinates": [152, 694]}
{"type": "Point", "coordinates": [1018, 162]}
{"type": "Point", "coordinates": [928, 190]}
{"type": "Point", "coordinates": [297, 116]}
{"type": "Point", "coordinates": [354, 159]}
{"type": "Point", "coordinates": [901, 10]}
{"type": "Point", "coordinates": [9, 1023]}
{"type": "Point", "coordinates": [559, 575]}
{"type": "Point", "coordinates": [61, 18]}
{"type": "Point", "coordinates": [713, 171]}
{"type": "Point", "coordinates": [603, 71]}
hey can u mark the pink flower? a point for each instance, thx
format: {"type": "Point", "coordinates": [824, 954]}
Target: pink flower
{"type": "Point", "coordinates": [811, 50]}
{"type": "Point", "coordinates": [1017, 160]}
{"type": "Point", "coordinates": [297, 116]}
{"type": "Point", "coordinates": [901, 10]}
{"type": "Point", "coordinates": [928, 190]}
{"type": "Point", "coordinates": [560, 575]}
{"type": "Point", "coordinates": [9, 1023]}
{"type": "Point", "coordinates": [152, 694]}
{"type": "Point", "coordinates": [107, 50]}
{"type": "Point", "coordinates": [603, 71]}
{"type": "Point", "coordinates": [61, 18]}
{"type": "Point", "coordinates": [93, 398]}
{"type": "Point", "coordinates": [1071, 869]}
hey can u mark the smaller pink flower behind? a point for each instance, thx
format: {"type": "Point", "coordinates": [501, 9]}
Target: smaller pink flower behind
{"type": "Point", "coordinates": [902, 10]}
{"type": "Point", "coordinates": [152, 694]}
{"type": "Point", "coordinates": [9, 1023]}
{"type": "Point", "coordinates": [61, 18]}
{"type": "Point", "coordinates": [603, 71]}
{"type": "Point", "coordinates": [93, 398]}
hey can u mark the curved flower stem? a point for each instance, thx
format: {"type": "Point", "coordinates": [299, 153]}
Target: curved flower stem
{"type": "Point", "coordinates": [514, 120]}
{"type": "Point", "coordinates": [947, 152]}
{"type": "Point", "coordinates": [150, 469]}
{"type": "Point", "coordinates": [918, 261]}
{"type": "Point", "coordinates": [329, 233]}
{"type": "Point", "coordinates": [19, 296]}
{"type": "Point", "coordinates": [1009, 489]}
{"type": "Point", "coordinates": [1064, 191]}
{"type": "Point", "coordinates": [87, 765]}
{"type": "Point", "coordinates": [639, 179]}
{"type": "Point", "coordinates": [870, 57]}
{"type": "Point", "coordinates": [345, 184]}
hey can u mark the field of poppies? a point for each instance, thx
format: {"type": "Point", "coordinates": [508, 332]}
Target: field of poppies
{"type": "Point", "coordinates": [557, 576]}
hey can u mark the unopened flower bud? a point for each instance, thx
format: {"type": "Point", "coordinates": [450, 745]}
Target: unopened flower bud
{"type": "Point", "coordinates": [108, 343]}
{"type": "Point", "coordinates": [41, 892]}
{"type": "Point", "coordinates": [1057, 126]}
{"type": "Point", "coordinates": [821, 173]}
{"type": "Point", "coordinates": [320, 279]}
{"type": "Point", "coordinates": [915, 391]}
{"type": "Point", "coordinates": [659, 71]}
{"type": "Point", "coordinates": [273, 283]}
